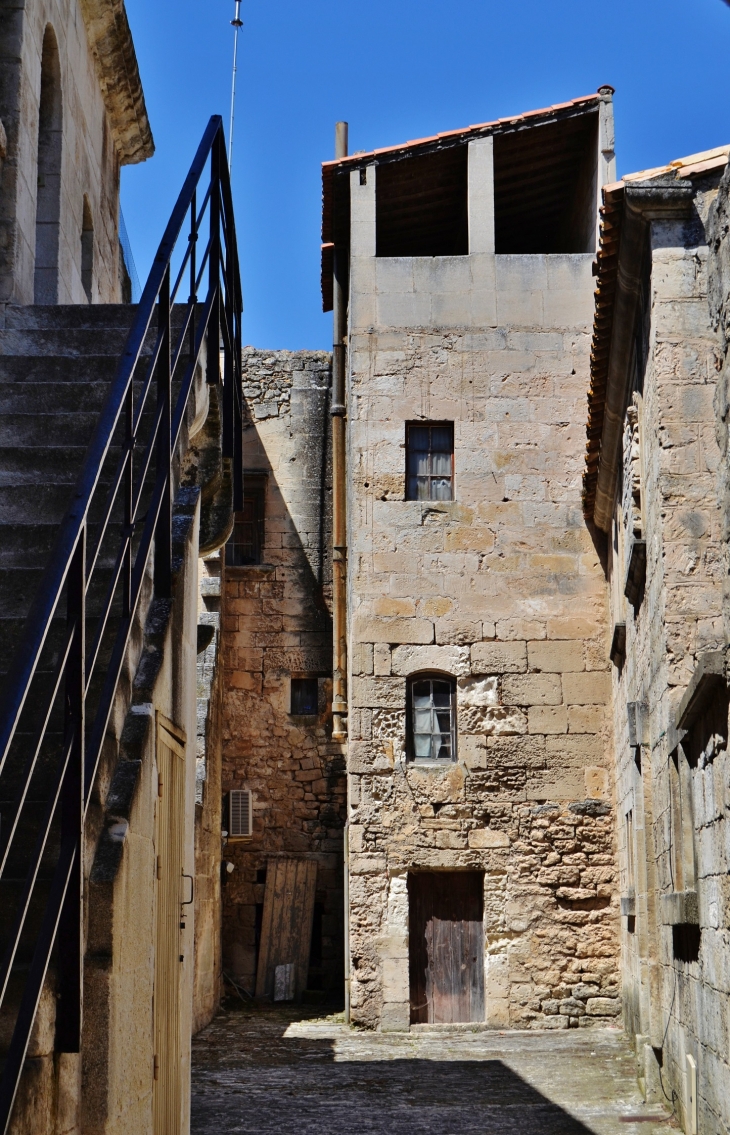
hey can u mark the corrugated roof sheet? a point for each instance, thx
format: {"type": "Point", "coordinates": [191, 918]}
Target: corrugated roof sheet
{"type": "Point", "coordinates": [605, 268]}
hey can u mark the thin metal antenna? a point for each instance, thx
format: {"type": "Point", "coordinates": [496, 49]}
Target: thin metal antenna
{"type": "Point", "coordinates": [237, 23]}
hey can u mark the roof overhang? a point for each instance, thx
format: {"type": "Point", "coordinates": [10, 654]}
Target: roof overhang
{"type": "Point", "coordinates": [628, 207]}
{"type": "Point", "coordinates": [333, 171]}
{"type": "Point", "coordinates": [111, 44]}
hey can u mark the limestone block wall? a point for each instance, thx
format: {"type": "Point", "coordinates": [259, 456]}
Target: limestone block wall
{"type": "Point", "coordinates": [276, 623]}
{"type": "Point", "coordinates": [669, 1003]}
{"type": "Point", "coordinates": [503, 590]}
{"type": "Point", "coordinates": [90, 157]}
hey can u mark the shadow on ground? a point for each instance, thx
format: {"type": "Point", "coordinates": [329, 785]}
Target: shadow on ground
{"type": "Point", "coordinates": [267, 1071]}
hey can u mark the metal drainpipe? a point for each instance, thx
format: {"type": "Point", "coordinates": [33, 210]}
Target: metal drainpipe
{"type": "Point", "coordinates": [339, 538]}
{"type": "Point", "coordinates": [339, 504]}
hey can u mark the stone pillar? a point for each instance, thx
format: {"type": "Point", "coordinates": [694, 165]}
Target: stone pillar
{"type": "Point", "coordinates": [481, 197]}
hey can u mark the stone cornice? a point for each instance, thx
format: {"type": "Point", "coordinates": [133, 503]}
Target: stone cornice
{"type": "Point", "coordinates": [110, 40]}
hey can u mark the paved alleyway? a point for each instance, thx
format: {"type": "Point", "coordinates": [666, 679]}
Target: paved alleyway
{"type": "Point", "coordinates": [268, 1071]}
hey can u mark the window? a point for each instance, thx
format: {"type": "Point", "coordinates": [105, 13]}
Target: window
{"type": "Point", "coordinates": [304, 696]}
{"type": "Point", "coordinates": [430, 462]}
{"type": "Point", "coordinates": [240, 814]}
{"type": "Point", "coordinates": [246, 545]}
{"type": "Point", "coordinates": [432, 718]}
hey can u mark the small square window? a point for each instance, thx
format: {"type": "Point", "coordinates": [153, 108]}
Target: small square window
{"type": "Point", "coordinates": [304, 697]}
{"type": "Point", "coordinates": [246, 545]}
{"type": "Point", "coordinates": [430, 462]}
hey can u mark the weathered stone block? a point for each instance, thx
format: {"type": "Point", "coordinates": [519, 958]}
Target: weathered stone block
{"type": "Point", "coordinates": [532, 689]}
{"type": "Point", "coordinates": [394, 630]}
{"type": "Point", "coordinates": [386, 693]}
{"type": "Point", "coordinates": [486, 838]}
{"type": "Point", "coordinates": [478, 691]}
{"type": "Point", "coordinates": [559, 656]}
{"type": "Point", "coordinates": [548, 719]}
{"type": "Point", "coordinates": [591, 688]}
{"type": "Point", "coordinates": [603, 1006]}
{"type": "Point", "coordinates": [499, 658]}
{"type": "Point", "coordinates": [452, 660]}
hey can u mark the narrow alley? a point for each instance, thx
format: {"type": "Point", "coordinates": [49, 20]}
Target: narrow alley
{"type": "Point", "coordinates": [281, 1071]}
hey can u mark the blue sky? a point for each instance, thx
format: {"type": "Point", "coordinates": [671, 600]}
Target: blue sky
{"type": "Point", "coordinates": [395, 69]}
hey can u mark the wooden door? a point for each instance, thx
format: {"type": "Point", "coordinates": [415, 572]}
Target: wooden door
{"type": "Point", "coordinates": [286, 926]}
{"type": "Point", "coordinates": [446, 946]}
{"type": "Point", "coordinates": [167, 1098]}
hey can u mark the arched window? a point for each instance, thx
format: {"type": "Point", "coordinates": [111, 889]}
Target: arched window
{"type": "Point", "coordinates": [432, 717]}
{"type": "Point", "coordinates": [87, 250]}
{"type": "Point", "coordinates": [48, 201]}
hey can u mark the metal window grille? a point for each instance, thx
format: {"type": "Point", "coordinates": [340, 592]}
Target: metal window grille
{"type": "Point", "coordinates": [430, 462]}
{"type": "Point", "coordinates": [246, 545]}
{"type": "Point", "coordinates": [240, 817]}
{"type": "Point", "coordinates": [432, 719]}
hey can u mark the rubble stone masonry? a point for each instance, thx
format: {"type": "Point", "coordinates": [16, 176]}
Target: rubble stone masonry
{"type": "Point", "coordinates": [503, 590]}
{"type": "Point", "coordinates": [277, 624]}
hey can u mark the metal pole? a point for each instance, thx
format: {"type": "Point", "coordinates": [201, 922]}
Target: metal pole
{"type": "Point", "coordinates": [237, 23]}
{"type": "Point", "coordinates": [339, 539]}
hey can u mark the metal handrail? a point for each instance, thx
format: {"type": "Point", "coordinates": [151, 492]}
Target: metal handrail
{"type": "Point", "coordinates": [71, 569]}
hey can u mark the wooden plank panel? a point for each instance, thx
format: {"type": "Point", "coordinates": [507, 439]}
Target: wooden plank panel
{"type": "Point", "coordinates": [286, 929]}
{"type": "Point", "coordinates": [446, 947]}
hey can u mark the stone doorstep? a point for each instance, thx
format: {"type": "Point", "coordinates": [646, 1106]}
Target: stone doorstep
{"type": "Point", "coordinates": [499, 1030]}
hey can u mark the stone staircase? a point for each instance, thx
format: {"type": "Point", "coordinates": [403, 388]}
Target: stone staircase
{"type": "Point", "coordinates": [56, 366]}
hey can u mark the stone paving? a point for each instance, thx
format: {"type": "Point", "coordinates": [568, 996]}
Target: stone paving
{"type": "Point", "coordinates": [261, 1071]}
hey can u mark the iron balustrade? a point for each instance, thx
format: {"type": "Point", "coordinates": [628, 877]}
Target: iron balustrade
{"type": "Point", "coordinates": [141, 421]}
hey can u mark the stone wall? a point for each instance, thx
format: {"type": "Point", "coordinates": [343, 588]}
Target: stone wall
{"type": "Point", "coordinates": [673, 1004]}
{"type": "Point", "coordinates": [277, 623]}
{"type": "Point", "coordinates": [95, 140]}
{"type": "Point", "coordinates": [503, 590]}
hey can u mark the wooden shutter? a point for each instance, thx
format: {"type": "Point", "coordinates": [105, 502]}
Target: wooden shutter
{"type": "Point", "coordinates": [167, 1095]}
{"type": "Point", "coordinates": [240, 813]}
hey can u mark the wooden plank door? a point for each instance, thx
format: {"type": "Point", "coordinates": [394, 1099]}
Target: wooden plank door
{"type": "Point", "coordinates": [286, 926]}
{"type": "Point", "coordinates": [446, 951]}
{"type": "Point", "coordinates": [167, 1094]}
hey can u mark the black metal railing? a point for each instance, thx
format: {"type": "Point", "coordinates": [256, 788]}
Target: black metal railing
{"type": "Point", "coordinates": [113, 551]}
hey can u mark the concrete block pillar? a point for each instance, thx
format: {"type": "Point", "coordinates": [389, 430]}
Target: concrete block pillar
{"type": "Point", "coordinates": [362, 202]}
{"type": "Point", "coordinates": [481, 197]}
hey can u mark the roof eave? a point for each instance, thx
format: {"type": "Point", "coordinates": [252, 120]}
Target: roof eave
{"type": "Point", "coordinates": [111, 44]}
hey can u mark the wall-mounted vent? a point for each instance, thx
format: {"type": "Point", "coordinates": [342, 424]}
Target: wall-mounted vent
{"type": "Point", "coordinates": [240, 814]}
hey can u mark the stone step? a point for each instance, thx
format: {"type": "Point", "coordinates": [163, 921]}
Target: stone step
{"type": "Point", "coordinates": [23, 398]}
{"type": "Point", "coordinates": [52, 430]}
{"type": "Point", "coordinates": [30, 369]}
{"type": "Point", "coordinates": [40, 317]}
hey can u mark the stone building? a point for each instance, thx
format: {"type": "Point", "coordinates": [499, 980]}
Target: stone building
{"type": "Point", "coordinates": [137, 963]}
{"type": "Point", "coordinates": [72, 112]}
{"type": "Point", "coordinates": [655, 484]}
{"type": "Point", "coordinates": [277, 659]}
{"type": "Point", "coordinates": [479, 755]}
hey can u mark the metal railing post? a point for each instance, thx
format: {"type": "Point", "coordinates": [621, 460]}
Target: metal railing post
{"type": "Point", "coordinates": [70, 952]}
{"type": "Point", "coordinates": [163, 530]}
{"type": "Point", "coordinates": [214, 265]}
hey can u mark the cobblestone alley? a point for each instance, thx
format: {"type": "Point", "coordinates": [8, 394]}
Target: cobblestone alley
{"type": "Point", "coordinates": [256, 1072]}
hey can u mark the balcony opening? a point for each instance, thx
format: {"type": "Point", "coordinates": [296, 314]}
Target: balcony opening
{"type": "Point", "coordinates": [421, 205]}
{"type": "Point", "coordinates": [545, 189]}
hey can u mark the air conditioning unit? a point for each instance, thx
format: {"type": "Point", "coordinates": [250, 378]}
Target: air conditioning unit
{"type": "Point", "coordinates": [240, 813]}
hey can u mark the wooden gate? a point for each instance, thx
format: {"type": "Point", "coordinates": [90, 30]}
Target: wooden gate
{"type": "Point", "coordinates": [446, 946]}
{"type": "Point", "coordinates": [170, 831]}
{"type": "Point", "coordinates": [286, 927]}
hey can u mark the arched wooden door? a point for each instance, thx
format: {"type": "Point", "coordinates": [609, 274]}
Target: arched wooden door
{"type": "Point", "coordinates": [167, 1100]}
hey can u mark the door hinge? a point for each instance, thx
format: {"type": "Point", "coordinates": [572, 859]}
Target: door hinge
{"type": "Point", "coordinates": [156, 1066]}
{"type": "Point", "coordinates": [159, 867]}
